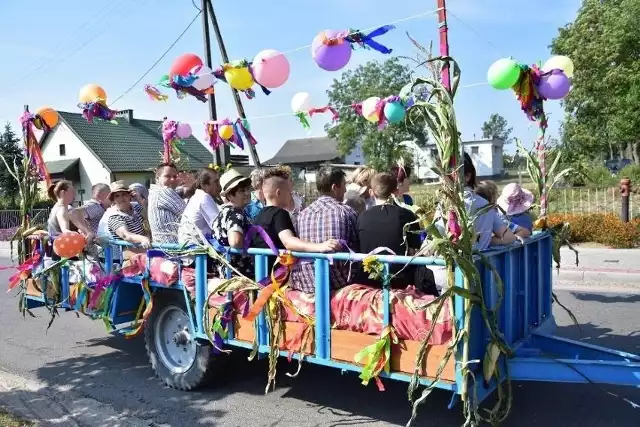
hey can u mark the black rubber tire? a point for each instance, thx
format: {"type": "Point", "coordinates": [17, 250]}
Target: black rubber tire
{"type": "Point", "coordinates": [201, 371]}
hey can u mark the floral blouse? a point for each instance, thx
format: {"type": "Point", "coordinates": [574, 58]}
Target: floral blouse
{"type": "Point", "coordinates": [232, 219]}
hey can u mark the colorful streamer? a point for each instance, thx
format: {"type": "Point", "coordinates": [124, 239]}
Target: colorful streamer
{"type": "Point", "coordinates": [335, 116]}
{"type": "Point", "coordinates": [32, 147]}
{"type": "Point", "coordinates": [24, 271]}
{"type": "Point", "coordinates": [376, 357]}
{"type": "Point", "coordinates": [172, 143]}
{"type": "Point", "coordinates": [92, 110]}
{"type": "Point", "coordinates": [155, 94]}
{"type": "Point", "coordinates": [365, 41]}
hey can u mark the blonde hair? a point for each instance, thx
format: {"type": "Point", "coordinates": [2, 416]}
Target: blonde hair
{"type": "Point", "coordinates": [362, 176]}
{"type": "Point", "coordinates": [488, 190]}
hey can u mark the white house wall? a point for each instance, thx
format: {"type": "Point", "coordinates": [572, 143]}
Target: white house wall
{"type": "Point", "coordinates": [91, 170]}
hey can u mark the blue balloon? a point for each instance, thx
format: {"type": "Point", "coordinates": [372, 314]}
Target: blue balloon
{"type": "Point", "coordinates": [394, 112]}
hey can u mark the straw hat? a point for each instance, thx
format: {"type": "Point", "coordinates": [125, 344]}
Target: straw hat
{"type": "Point", "coordinates": [118, 187]}
{"type": "Point", "coordinates": [515, 200]}
{"type": "Point", "coordinates": [231, 179]}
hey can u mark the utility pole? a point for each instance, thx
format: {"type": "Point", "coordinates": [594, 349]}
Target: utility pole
{"type": "Point", "coordinates": [444, 41]}
{"type": "Point", "coordinates": [220, 157]}
{"type": "Point", "coordinates": [207, 6]}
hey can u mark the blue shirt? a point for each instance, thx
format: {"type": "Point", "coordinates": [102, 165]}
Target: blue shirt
{"type": "Point", "coordinates": [522, 220]}
{"type": "Point", "coordinates": [407, 199]}
{"type": "Point", "coordinates": [253, 208]}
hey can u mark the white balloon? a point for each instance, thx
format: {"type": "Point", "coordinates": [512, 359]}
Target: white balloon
{"type": "Point", "coordinates": [204, 81]}
{"type": "Point", "coordinates": [205, 70]}
{"type": "Point", "coordinates": [559, 62]}
{"type": "Point", "coordinates": [301, 102]}
{"type": "Point", "coordinates": [369, 111]}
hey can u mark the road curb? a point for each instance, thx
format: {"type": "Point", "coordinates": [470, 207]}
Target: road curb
{"type": "Point", "coordinates": [56, 406]}
{"type": "Point", "coordinates": [597, 276]}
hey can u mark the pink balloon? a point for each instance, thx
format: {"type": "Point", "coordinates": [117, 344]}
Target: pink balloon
{"type": "Point", "coordinates": [183, 130]}
{"type": "Point", "coordinates": [270, 68]}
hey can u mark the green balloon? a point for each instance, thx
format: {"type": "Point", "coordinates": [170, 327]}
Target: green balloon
{"type": "Point", "coordinates": [503, 74]}
{"type": "Point", "coordinates": [164, 80]}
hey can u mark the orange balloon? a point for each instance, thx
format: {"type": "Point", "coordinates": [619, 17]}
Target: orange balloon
{"type": "Point", "coordinates": [49, 115]}
{"type": "Point", "coordinates": [69, 244]}
{"type": "Point", "coordinates": [92, 93]}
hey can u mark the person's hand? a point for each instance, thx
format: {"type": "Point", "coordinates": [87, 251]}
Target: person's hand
{"type": "Point", "coordinates": [145, 242]}
{"type": "Point", "coordinates": [186, 179]}
{"type": "Point", "coordinates": [331, 245]}
{"type": "Point", "coordinates": [90, 237]}
{"type": "Point", "coordinates": [137, 197]}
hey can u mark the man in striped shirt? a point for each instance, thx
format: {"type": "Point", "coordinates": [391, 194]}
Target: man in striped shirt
{"type": "Point", "coordinates": [93, 210]}
{"type": "Point", "coordinates": [165, 206]}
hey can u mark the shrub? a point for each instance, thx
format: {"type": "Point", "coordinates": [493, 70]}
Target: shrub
{"type": "Point", "coordinates": [633, 173]}
{"type": "Point", "coordinates": [606, 229]}
{"type": "Point", "coordinates": [599, 176]}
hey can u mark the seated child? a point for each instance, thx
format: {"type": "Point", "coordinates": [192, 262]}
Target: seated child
{"type": "Point", "coordinates": [515, 202]}
{"type": "Point", "coordinates": [276, 221]}
{"type": "Point", "coordinates": [488, 190]}
{"type": "Point", "coordinates": [383, 225]}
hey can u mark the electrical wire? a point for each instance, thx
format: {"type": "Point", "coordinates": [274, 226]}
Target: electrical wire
{"type": "Point", "coordinates": [473, 30]}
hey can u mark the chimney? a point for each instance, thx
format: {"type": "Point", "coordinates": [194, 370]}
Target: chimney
{"type": "Point", "coordinates": [125, 114]}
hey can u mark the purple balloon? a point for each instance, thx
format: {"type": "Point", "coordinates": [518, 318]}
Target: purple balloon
{"type": "Point", "coordinates": [554, 85]}
{"type": "Point", "coordinates": [330, 57]}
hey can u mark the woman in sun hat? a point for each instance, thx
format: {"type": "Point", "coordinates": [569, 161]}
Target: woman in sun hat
{"type": "Point", "coordinates": [515, 202]}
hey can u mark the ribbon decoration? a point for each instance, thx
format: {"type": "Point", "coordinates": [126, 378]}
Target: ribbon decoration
{"type": "Point", "coordinates": [97, 109]}
{"type": "Point", "coordinates": [182, 86]}
{"type": "Point", "coordinates": [304, 119]}
{"type": "Point", "coordinates": [335, 116]}
{"type": "Point", "coordinates": [24, 270]}
{"type": "Point", "coordinates": [144, 311]}
{"type": "Point", "coordinates": [212, 129]}
{"type": "Point", "coordinates": [376, 357]}
{"type": "Point", "coordinates": [155, 94]}
{"type": "Point", "coordinates": [241, 126]}
{"type": "Point", "coordinates": [365, 41]}
{"type": "Point", "coordinates": [171, 141]}
{"type": "Point", "coordinates": [100, 291]}
{"type": "Point", "coordinates": [32, 146]}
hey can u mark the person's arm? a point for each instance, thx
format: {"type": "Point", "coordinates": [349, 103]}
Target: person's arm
{"type": "Point", "coordinates": [78, 218]}
{"type": "Point", "coordinates": [501, 233]}
{"type": "Point", "coordinates": [283, 226]}
{"type": "Point", "coordinates": [209, 210]}
{"type": "Point", "coordinates": [235, 232]}
{"type": "Point", "coordinates": [521, 232]}
{"type": "Point", "coordinates": [118, 227]}
{"type": "Point", "coordinates": [63, 218]}
{"type": "Point", "coordinates": [236, 239]}
{"type": "Point", "coordinates": [171, 201]}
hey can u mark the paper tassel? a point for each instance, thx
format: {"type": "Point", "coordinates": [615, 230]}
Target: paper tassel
{"type": "Point", "coordinates": [155, 94]}
{"type": "Point", "coordinates": [32, 147]}
{"type": "Point", "coordinates": [97, 110]}
{"type": "Point", "coordinates": [241, 123]}
{"type": "Point", "coordinates": [365, 41]}
{"type": "Point", "coordinates": [172, 143]}
{"type": "Point", "coordinates": [304, 119]}
{"type": "Point", "coordinates": [334, 113]}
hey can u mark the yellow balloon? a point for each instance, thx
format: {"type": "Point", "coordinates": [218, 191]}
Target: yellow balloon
{"type": "Point", "coordinates": [373, 118]}
{"type": "Point", "coordinates": [239, 78]}
{"type": "Point", "coordinates": [226, 132]}
{"type": "Point", "coordinates": [559, 62]}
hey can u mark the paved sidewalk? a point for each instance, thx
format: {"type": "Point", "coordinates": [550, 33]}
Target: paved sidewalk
{"type": "Point", "coordinates": [600, 265]}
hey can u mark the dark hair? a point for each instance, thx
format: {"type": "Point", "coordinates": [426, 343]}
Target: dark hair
{"type": "Point", "coordinates": [244, 184]}
{"type": "Point", "coordinates": [469, 170]}
{"type": "Point", "coordinates": [56, 188]}
{"type": "Point", "coordinates": [162, 166]}
{"type": "Point", "coordinates": [384, 184]}
{"type": "Point", "coordinates": [99, 188]}
{"type": "Point", "coordinates": [401, 173]}
{"type": "Point", "coordinates": [276, 172]}
{"type": "Point", "coordinates": [328, 176]}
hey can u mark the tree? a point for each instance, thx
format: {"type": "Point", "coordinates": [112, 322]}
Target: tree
{"type": "Point", "coordinates": [381, 148]}
{"type": "Point", "coordinates": [11, 151]}
{"type": "Point", "coordinates": [602, 108]}
{"type": "Point", "coordinates": [497, 127]}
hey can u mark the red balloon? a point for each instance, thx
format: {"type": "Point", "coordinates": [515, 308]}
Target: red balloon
{"type": "Point", "coordinates": [184, 64]}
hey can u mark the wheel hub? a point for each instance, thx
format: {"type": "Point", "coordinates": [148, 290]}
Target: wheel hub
{"type": "Point", "coordinates": [174, 341]}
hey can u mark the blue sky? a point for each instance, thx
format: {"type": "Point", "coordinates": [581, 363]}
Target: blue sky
{"type": "Point", "coordinates": [50, 53]}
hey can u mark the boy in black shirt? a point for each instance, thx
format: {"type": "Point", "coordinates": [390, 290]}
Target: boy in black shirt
{"type": "Point", "coordinates": [276, 221]}
{"type": "Point", "coordinates": [382, 226]}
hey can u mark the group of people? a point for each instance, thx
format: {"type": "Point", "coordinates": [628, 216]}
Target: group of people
{"type": "Point", "coordinates": [368, 214]}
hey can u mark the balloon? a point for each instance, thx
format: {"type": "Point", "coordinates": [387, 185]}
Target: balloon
{"type": "Point", "coordinates": [183, 130]}
{"type": "Point", "coordinates": [331, 56]}
{"type": "Point", "coordinates": [226, 132]}
{"type": "Point", "coordinates": [239, 78]}
{"type": "Point", "coordinates": [394, 112]}
{"type": "Point", "coordinates": [554, 85]}
{"type": "Point", "coordinates": [92, 93]}
{"type": "Point", "coordinates": [370, 110]}
{"type": "Point", "coordinates": [204, 81]}
{"type": "Point", "coordinates": [185, 64]}
{"type": "Point", "coordinates": [49, 115]}
{"type": "Point", "coordinates": [69, 244]}
{"type": "Point", "coordinates": [503, 74]}
{"type": "Point", "coordinates": [270, 68]}
{"type": "Point", "coordinates": [559, 62]}
{"type": "Point", "coordinates": [301, 102]}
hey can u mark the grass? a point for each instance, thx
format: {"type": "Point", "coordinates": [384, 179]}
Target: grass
{"type": "Point", "coordinates": [9, 420]}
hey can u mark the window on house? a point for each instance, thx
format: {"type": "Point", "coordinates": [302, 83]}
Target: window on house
{"type": "Point", "coordinates": [475, 150]}
{"type": "Point", "coordinates": [356, 163]}
{"type": "Point", "coordinates": [63, 150]}
{"type": "Point", "coordinates": [434, 153]}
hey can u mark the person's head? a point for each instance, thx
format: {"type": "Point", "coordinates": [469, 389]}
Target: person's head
{"type": "Point", "coordinates": [355, 200]}
{"type": "Point", "coordinates": [100, 193]}
{"type": "Point", "coordinates": [403, 176]}
{"type": "Point", "coordinates": [208, 180]}
{"type": "Point", "coordinates": [383, 185]}
{"type": "Point", "coordinates": [361, 177]}
{"type": "Point", "coordinates": [469, 172]}
{"type": "Point", "coordinates": [331, 182]}
{"type": "Point", "coordinates": [276, 188]}
{"type": "Point", "coordinates": [167, 175]}
{"type": "Point", "coordinates": [236, 188]}
{"type": "Point", "coordinates": [120, 195]}
{"type": "Point", "coordinates": [488, 190]}
{"type": "Point", "coordinates": [257, 179]}
{"type": "Point", "coordinates": [139, 190]}
{"type": "Point", "coordinates": [62, 191]}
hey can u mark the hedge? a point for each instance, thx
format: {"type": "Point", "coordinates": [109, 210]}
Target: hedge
{"type": "Point", "coordinates": [606, 229]}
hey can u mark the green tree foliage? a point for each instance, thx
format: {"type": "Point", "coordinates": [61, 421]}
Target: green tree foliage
{"type": "Point", "coordinates": [10, 149]}
{"type": "Point", "coordinates": [602, 117]}
{"type": "Point", "coordinates": [381, 148]}
{"type": "Point", "coordinates": [497, 127]}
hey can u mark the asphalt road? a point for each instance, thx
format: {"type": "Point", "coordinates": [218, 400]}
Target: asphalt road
{"type": "Point", "coordinates": [78, 358]}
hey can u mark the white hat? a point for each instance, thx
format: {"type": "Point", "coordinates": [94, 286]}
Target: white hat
{"type": "Point", "coordinates": [231, 179]}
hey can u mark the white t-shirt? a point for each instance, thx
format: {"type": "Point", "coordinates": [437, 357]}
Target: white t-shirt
{"type": "Point", "coordinates": [200, 212]}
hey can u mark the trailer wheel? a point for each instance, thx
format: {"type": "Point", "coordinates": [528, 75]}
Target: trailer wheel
{"type": "Point", "coordinates": [178, 359]}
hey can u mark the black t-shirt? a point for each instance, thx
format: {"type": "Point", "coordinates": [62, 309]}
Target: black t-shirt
{"type": "Point", "coordinates": [382, 226]}
{"type": "Point", "coordinates": [273, 220]}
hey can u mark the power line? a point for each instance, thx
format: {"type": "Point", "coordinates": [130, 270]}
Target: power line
{"type": "Point", "coordinates": [158, 60]}
{"type": "Point", "coordinates": [489, 42]}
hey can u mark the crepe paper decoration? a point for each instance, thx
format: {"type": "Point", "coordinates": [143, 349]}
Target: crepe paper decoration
{"type": "Point", "coordinates": [92, 93]}
{"type": "Point", "coordinates": [97, 110]}
{"type": "Point", "coordinates": [182, 84]}
{"type": "Point", "coordinates": [358, 38]}
{"type": "Point", "coordinates": [24, 270]}
{"type": "Point", "coordinates": [304, 119]}
{"type": "Point", "coordinates": [376, 357]}
{"type": "Point", "coordinates": [98, 292]}
{"type": "Point", "coordinates": [237, 130]}
{"type": "Point", "coordinates": [171, 131]}
{"type": "Point", "coordinates": [330, 50]}
{"type": "Point", "coordinates": [392, 104]}
{"type": "Point", "coordinates": [144, 311]}
{"type": "Point", "coordinates": [155, 94]}
{"type": "Point", "coordinates": [335, 116]}
{"type": "Point", "coordinates": [32, 146]}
